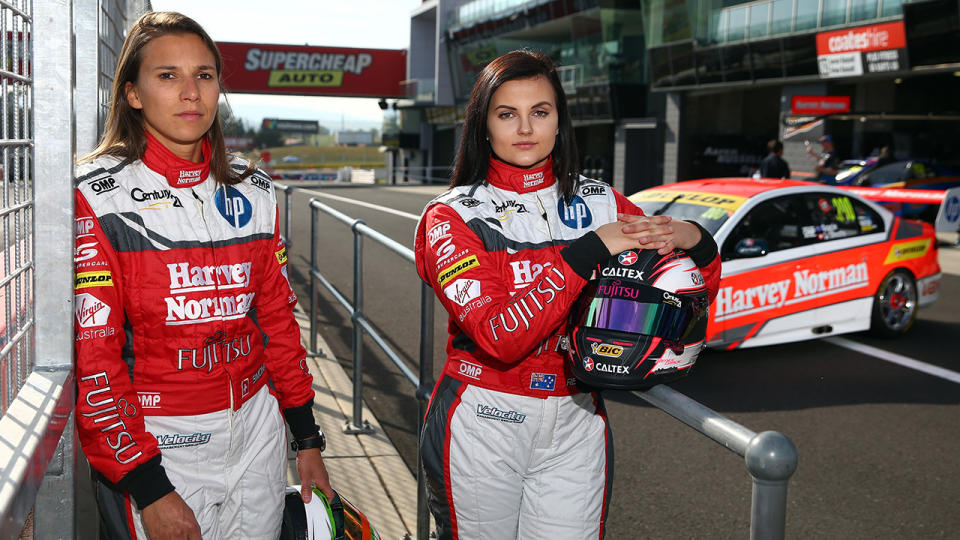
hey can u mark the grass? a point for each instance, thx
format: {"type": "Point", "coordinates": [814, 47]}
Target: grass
{"type": "Point", "coordinates": [327, 157]}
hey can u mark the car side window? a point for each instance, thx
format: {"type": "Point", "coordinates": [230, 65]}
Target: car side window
{"type": "Point", "coordinates": [887, 174]}
{"type": "Point", "coordinates": [838, 216]}
{"type": "Point", "coordinates": [772, 225]}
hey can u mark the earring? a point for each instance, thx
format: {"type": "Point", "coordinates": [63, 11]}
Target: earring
{"type": "Point", "coordinates": [488, 138]}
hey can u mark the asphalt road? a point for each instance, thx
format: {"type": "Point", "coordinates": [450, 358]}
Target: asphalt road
{"type": "Point", "coordinates": [877, 441]}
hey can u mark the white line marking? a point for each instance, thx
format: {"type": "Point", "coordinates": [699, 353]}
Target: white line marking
{"type": "Point", "coordinates": [366, 204]}
{"type": "Point", "coordinates": [929, 369]}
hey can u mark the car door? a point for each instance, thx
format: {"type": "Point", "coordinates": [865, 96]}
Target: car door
{"type": "Point", "coordinates": [849, 236]}
{"type": "Point", "coordinates": [766, 249]}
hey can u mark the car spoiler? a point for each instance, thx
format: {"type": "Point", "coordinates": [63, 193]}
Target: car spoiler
{"type": "Point", "coordinates": [948, 217]}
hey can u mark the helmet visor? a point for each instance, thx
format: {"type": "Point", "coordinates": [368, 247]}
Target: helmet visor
{"type": "Point", "coordinates": [647, 311]}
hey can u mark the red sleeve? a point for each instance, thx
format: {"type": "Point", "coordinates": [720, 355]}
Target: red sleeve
{"type": "Point", "coordinates": [285, 356]}
{"type": "Point", "coordinates": [108, 418]}
{"type": "Point", "coordinates": [474, 286]}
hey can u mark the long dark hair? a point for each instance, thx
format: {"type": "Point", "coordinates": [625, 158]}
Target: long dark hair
{"type": "Point", "coordinates": [473, 154]}
{"type": "Point", "coordinates": [123, 134]}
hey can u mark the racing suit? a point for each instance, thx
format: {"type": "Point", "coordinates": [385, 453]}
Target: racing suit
{"type": "Point", "coordinates": [510, 446]}
{"type": "Point", "coordinates": [183, 311]}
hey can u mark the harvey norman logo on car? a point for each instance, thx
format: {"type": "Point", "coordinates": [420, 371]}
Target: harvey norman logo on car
{"type": "Point", "coordinates": [803, 285]}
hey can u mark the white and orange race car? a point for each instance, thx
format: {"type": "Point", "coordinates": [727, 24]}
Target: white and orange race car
{"type": "Point", "coordinates": [803, 260]}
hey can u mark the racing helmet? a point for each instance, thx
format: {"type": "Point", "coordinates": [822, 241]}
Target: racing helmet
{"type": "Point", "coordinates": [640, 322]}
{"type": "Point", "coordinates": [323, 520]}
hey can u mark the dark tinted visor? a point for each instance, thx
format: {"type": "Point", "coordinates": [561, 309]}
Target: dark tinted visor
{"type": "Point", "coordinates": [661, 320]}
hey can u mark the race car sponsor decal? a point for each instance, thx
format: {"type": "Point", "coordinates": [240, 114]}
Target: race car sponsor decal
{"type": "Point", "coordinates": [470, 203]}
{"type": "Point", "coordinates": [532, 179]}
{"type": "Point", "coordinates": [575, 215]}
{"type": "Point", "coordinates": [281, 255]}
{"type": "Point", "coordinates": [589, 191]}
{"type": "Point", "coordinates": [588, 363]}
{"type": "Point", "coordinates": [493, 413]}
{"type": "Point", "coordinates": [90, 310]}
{"type": "Point", "coordinates": [261, 181]}
{"type": "Point", "coordinates": [615, 369]}
{"type": "Point", "coordinates": [440, 234]}
{"type": "Point", "coordinates": [623, 272]}
{"type": "Point", "coordinates": [215, 349]}
{"type": "Point", "coordinates": [162, 198]}
{"type": "Point", "coordinates": [804, 285]}
{"type": "Point", "coordinates": [103, 185]}
{"type": "Point", "coordinates": [507, 209]}
{"type": "Point", "coordinates": [543, 381]}
{"type": "Point", "coordinates": [105, 413]}
{"type": "Point", "coordinates": [469, 369]}
{"type": "Point", "coordinates": [717, 200]}
{"type": "Point", "coordinates": [93, 279]}
{"type": "Point", "coordinates": [520, 310]}
{"type": "Point", "coordinates": [233, 206]}
{"type": "Point", "coordinates": [462, 291]}
{"type": "Point", "coordinates": [628, 258]}
{"type": "Point", "coordinates": [525, 272]}
{"type": "Point", "coordinates": [904, 251]}
{"type": "Point", "coordinates": [456, 269]}
{"type": "Point", "coordinates": [179, 440]}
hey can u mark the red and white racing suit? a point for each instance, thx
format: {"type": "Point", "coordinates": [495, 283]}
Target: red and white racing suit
{"type": "Point", "coordinates": [183, 311]}
{"type": "Point", "coordinates": [511, 448]}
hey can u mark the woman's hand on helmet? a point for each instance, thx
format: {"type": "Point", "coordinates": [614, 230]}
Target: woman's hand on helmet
{"type": "Point", "coordinates": [648, 232]}
{"type": "Point", "coordinates": [311, 469]}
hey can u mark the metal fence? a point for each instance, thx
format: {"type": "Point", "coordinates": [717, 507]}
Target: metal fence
{"type": "Point", "coordinates": [54, 92]}
{"type": "Point", "coordinates": [770, 457]}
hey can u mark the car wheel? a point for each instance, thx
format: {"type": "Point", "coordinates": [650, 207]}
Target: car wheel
{"type": "Point", "coordinates": [894, 305]}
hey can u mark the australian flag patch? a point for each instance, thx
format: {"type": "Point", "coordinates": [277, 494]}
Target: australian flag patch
{"type": "Point", "coordinates": [543, 381]}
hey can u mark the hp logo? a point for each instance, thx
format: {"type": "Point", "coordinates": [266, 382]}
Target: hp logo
{"type": "Point", "coordinates": [576, 215]}
{"type": "Point", "coordinates": [233, 206]}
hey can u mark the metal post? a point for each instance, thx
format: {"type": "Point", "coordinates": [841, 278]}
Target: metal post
{"type": "Point", "coordinates": [357, 425]}
{"type": "Point", "coordinates": [771, 458]}
{"type": "Point", "coordinates": [423, 396]}
{"type": "Point", "coordinates": [286, 217]}
{"type": "Point", "coordinates": [313, 280]}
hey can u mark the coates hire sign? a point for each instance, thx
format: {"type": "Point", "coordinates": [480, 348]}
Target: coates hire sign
{"type": "Point", "coordinates": [852, 52]}
{"type": "Point", "coordinates": [819, 105]}
{"type": "Point", "coordinates": [313, 71]}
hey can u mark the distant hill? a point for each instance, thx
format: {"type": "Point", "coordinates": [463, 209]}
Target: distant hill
{"type": "Point", "coordinates": [367, 157]}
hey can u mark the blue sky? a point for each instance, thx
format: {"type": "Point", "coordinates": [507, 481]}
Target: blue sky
{"type": "Point", "coordinates": [378, 24]}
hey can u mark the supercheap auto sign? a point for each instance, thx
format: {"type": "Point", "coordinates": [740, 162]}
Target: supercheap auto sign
{"type": "Point", "coordinates": [316, 71]}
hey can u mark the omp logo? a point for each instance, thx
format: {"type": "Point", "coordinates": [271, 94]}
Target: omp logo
{"type": "Point", "coordinates": [456, 269]}
{"type": "Point", "coordinates": [233, 206]}
{"type": "Point", "coordinates": [93, 279]}
{"type": "Point", "coordinates": [90, 311]}
{"type": "Point", "coordinates": [605, 349]}
{"type": "Point", "coordinates": [260, 182]}
{"type": "Point", "coordinates": [468, 369]}
{"type": "Point", "coordinates": [576, 215]}
{"type": "Point", "coordinates": [806, 285]}
{"type": "Point", "coordinates": [588, 191]}
{"type": "Point", "coordinates": [438, 232]}
{"type": "Point", "coordinates": [149, 400]}
{"type": "Point", "coordinates": [103, 185]}
{"type": "Point", "coordinates": [905, 251]}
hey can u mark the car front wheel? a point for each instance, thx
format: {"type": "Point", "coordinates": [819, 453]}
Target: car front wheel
{"type": "Point", "coordinates": [894, 305]}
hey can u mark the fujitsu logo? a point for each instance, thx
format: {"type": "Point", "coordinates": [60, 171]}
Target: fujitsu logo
{"type": "Point", "coordinates": [90, 311]}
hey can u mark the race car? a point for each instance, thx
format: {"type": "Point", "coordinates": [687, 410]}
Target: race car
{"type": "Point", "coordinates": [903, 174]}
{"type": "Point", "coordinates": [802, 260]}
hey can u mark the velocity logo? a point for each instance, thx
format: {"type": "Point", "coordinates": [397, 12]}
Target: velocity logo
{"type": "Point", "coordinates": [233, 206]}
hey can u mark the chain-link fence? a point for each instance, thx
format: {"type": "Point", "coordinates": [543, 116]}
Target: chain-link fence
{"type": "Point", "coordinates": [56, 63]}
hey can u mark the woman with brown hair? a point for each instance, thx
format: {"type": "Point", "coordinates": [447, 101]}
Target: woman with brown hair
{"type": "Point", "coordinates": [184, 310]}
{"type": "Point", "coordinates": [511, 447]}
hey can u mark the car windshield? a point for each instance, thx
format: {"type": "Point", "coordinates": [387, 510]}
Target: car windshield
{"type": "Point", "coordinates": [847, 170]}
{"type": "Point", "coordinates": [711, 217]}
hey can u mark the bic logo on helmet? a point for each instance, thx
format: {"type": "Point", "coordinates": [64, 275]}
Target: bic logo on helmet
{"type": "Point", "coordinates": [576, 215]}
{"type": "Point", "coordinates": [233, 206]}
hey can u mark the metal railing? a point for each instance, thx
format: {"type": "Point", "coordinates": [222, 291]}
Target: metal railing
{"type": "Point", "coordinates": [53, 91]}
{"type": "Point", "coordinates": [770, 457]}
{"type": "Point", "coordinates": [422, 383]}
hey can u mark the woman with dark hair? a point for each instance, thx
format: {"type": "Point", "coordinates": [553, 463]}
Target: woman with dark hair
{"type": "Point", "coordinates": [184, 310]}
{"type": "Point", "coordinates": [511, 447]}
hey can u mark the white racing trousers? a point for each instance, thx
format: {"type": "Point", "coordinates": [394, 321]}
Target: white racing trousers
{"type": "Point", "coordinates": [501, 466]}
{"type": "Point", "coordinates": [229, 467]}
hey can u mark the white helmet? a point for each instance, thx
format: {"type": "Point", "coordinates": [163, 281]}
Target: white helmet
{"type": "Point", "coordinates": [320, 519]}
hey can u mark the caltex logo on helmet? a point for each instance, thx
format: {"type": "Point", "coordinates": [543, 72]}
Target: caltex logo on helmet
{"type": "Point", "coordinates": [628, 257]}
{"type": "Point", "coordinates": [588, 363]}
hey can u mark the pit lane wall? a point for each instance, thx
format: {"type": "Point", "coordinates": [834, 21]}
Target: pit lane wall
{"type": "Point", "coordinates": [58, 57]}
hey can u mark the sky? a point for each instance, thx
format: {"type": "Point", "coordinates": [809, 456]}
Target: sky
{"type": "Point", "coordinates": [374, 24]}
